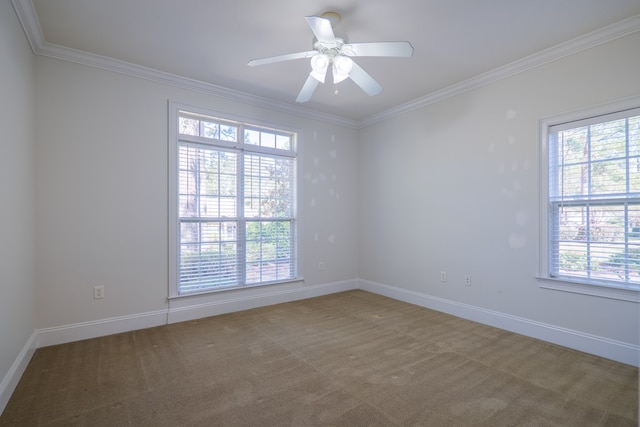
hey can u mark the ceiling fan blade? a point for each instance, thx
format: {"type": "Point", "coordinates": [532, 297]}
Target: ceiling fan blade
{"type": "Point", "coordinates": [307, 90]}
{"type": "Point", "coordinates": [364, 80]}
{"type": "Point", "coordinates": [321, 28]}
{"type": "Point", "coordinates": [398, 49]}
{"type": "Point", "coordinates": [280, 58]}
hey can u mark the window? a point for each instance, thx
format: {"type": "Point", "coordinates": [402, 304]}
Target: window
{"type": "Point", "coordinates": [233, 204]}
{"type": "Point", "coordinates": [593, 200]}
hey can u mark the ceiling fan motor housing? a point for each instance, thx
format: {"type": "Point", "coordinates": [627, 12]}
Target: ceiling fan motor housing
{"type": "Point", "coordinates": [333, 17]}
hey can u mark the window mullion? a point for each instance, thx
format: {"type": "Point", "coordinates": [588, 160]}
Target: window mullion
{"type": "Point", "coordinates": [241, 263]}
{"type": "Point", "coordinates": [626, 240]}
{"type": "Point", "coordinates": [588, 208]}
{"type": "Point", "coordinates": [197, 200]}
{"type": "Point", "coordinates": [626, 205]}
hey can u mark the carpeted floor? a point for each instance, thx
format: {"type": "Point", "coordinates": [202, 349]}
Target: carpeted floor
{"type": "Point", "coordinates": [349, 359]}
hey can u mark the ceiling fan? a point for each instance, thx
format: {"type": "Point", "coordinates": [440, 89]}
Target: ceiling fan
{"type": "Point", "coordinates": [331, 51]}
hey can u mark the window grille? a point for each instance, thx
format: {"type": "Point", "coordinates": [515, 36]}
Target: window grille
{"type": "Point", "coordinates": [235, 204]}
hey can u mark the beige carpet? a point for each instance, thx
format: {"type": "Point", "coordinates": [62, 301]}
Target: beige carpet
{"type": "Point", "coordinates": [349, 359]}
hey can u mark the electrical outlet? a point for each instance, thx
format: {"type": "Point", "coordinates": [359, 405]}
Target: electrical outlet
{"type": "Point", "coordinates": [98, 292]}
{"type": "Point", "coordinates": [320, 265]}
{"type": "Point", "coordinates": [467, 280]}
{"type": "Point", "coordinates": [443, 276]}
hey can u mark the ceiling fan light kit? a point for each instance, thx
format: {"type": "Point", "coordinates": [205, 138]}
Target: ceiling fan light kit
{"type": "Point", "coordinates": [342, 66]}
{"type": "Point", "coordinates": [330, 50]}
{"type": "Point", "coordinates": [319, 65]}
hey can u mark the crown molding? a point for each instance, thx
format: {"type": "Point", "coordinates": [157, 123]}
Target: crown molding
{"type": "Point", "coordinates": [149, 74]}
{"type": "Point", "coordinates": [578, 44]}
{"type": "Point", "coordinates": [30, 24]}
{"type": "Point", "coordinates": [29, 20]}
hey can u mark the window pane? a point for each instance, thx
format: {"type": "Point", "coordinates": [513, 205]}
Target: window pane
{"type": "Point", "coordinates": [268, 186]}
{"type": "Point", "coordinates": [210, 130]}
{"type": "Point", "coordinates": [267, 140]}
{"type": "Point", "coordinates": [573, 259]}
{"type": "Point", "coordinates": [208, 251]}
{"type": "Point", "coordinates": [609, 177]}
{"type": "Point", "coordinates": [572, 223]}
{"type": "Point", "coordinates": [209, 206]}
{"type": "Point", "coordinates": [227, 185]}
{"type": "Point", "coordinates": [252, 137]}
{"type": "Point", "coordinates": [573, 145]}
{"type": "Point", "coordinates": [283, 142]}
{"type": "Point", "coordinates": [188, 126]}
{"type": "Point", "coordinates": [201, 183]}
{"type": "Point", "coordinates": [228, 133]}
{"type": "Point", "coordinates": [573, 180]}
{"type": "Point", "coordinates": [269, 251]}
{"type": "Point", "coordinates": [594, 240]}
{"type": "Point", "coordinates": [608, 140]}
{"type": "Point", "coordinates": [634, 136]}
{"type": "Point", "coordinates": [634, 153]}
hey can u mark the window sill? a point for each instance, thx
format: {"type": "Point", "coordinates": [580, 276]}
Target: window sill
{"type": "Point", "coordinates": [622, 292]}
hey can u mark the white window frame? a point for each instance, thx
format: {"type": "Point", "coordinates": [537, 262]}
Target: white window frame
{"type": "Point", "coordinates": [545, 278]}
{"type": "Point", "coordinates": [175, 109]}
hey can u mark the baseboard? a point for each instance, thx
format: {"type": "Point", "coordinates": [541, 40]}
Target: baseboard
{"type": "Point", "coordinates": [215, 304]}
{"type": "Point", "coordinates": [11, 379]}
{"type": "Point", "coordinates": [603, 347]}
{"type": "Point", "coordinates": [190, 309]}
{"type": "Point", "coordinates": [98, 328]}
{"type": "Point", "coordinates": [185, 309]}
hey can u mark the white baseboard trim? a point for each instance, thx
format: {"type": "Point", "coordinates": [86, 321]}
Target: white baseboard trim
{"type": "Point", "coordinates": [603, 347]}
{"type": "Point", "coordinates": [11, 379]}
{"type": "Point", "coordinates": [99, 328]}
{"type": "Point", "coordinates": [184, 310]}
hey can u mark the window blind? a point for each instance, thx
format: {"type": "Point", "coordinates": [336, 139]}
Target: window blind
{"type": "Point", "coordinates": [594, 198]}
{"type": "Point", "coordinates": [236, 204]}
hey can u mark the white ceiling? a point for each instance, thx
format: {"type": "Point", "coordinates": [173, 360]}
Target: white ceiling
{"type": "Point", "coordinates": [211, 41]}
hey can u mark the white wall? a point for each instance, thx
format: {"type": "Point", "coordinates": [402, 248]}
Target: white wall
{"type": "Point", "coordinates": [102, 193]}
{"type": "Point", "coordinates": [17, 198]}
{"type": "Point", "coordinates": [454, 187]}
